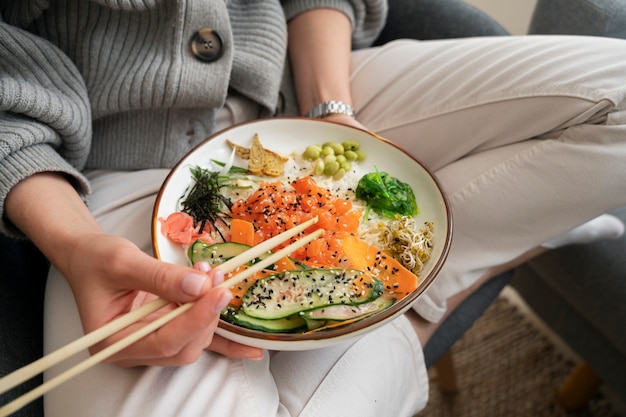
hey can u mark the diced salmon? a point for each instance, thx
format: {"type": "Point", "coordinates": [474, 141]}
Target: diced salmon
{"type": "Point", "coordinates": [275, 207]}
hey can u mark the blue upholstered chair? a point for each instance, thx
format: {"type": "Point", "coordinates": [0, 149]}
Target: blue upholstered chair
{"type": "Point", "coordinates": [580, 291]}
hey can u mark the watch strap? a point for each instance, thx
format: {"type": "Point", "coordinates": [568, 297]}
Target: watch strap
{"type": "Point", "coordinates": [330, 107]}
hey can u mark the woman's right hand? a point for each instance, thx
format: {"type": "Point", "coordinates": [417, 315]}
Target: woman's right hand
{"type": "Point", "coordinates": [111, 276]}
{"type": "Point", "coordinates": [122, 278]}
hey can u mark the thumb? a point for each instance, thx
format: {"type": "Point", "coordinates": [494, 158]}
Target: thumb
{"type": "Point", "coordinates": [174, 282]}
{"type": "Point", "coordinates": [191, 283]}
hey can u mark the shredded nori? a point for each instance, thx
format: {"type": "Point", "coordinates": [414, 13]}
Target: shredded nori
{"type": "Point", "coordinates": [204, 202]}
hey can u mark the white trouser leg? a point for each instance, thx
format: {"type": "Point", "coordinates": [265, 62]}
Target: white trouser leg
{"type": "Point", "coordinates": [526, 134]}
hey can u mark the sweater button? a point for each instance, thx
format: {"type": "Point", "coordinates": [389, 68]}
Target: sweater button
{"type": "Point", "coordinates": [206, 45]}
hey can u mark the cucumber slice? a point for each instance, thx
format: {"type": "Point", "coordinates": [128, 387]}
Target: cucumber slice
{"type": "Point", "coordinates": [214, 254]}
{"type": "Point", "coordinates": [313, 324]}
{"type": "Point", "coordinates": [218, 253]}
{"type": "Point", "coordinates": [291, 292]}
{"type": "Point", "coordinates": [284, 325]}
{"type": "Point", "coordinates": [348, 312]}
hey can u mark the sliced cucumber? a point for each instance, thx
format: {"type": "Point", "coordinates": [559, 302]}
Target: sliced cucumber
{"type": "Point", "coordinates": [313, 324]}
{"type": "Point", "coordinates": [290, 292]}
{"type": "Point", "coordinates": [347, 312]}
{"type": "Point", "coordinates": [214, 254]}
{"type": "Point", "coordinates": [218, 253]}
{"type": "Point", "coordinates": [284, 325]}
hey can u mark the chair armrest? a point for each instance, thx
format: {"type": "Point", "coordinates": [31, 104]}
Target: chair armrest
{"type": "Point", "coordinates": [436, 19]}
{"type": "Point", "coordinates": [579, 17]}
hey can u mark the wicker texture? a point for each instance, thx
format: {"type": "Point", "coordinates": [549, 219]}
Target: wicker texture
{"type": "Point", "coordinates": [505, 366]}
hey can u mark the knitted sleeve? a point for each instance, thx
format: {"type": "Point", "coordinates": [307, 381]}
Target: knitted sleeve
{"type": "Point", "coordinates": [45, 117]}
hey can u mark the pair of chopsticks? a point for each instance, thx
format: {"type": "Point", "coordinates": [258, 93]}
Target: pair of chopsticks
{"type": "Point", "coordinates": [17, 377]}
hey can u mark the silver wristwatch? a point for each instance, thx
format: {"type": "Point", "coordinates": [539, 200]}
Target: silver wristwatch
{"type": "Point", "coordinates": [330, 107]}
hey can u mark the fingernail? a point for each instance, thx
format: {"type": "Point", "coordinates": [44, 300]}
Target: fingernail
{"type": "Point", "coordinates": [192, 283]}
{"type": "Point", "coordinates": [202, 266]}
{"type": "Point", "coordinates": [217, 277]}
{"type": "Point", "coordinates": [222, 302]}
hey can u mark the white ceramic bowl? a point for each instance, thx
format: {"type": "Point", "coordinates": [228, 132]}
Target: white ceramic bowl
{"type": "Point", "coordinates": [289, 135]}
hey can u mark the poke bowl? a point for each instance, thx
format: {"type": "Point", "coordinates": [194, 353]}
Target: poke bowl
{"type": "Point", "coordinates": [387, 228]}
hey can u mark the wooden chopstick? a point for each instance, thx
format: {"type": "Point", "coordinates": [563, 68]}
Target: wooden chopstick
{"type": "Point", "coordinates": [279, 254]}
{"type": "Point", "coordinates": [91, 361]}
{"type": "Point", "coordinates": [28, 371]}
{"type": "Point", "coordinates": [113, 327]}
{"type": "Point", "coordinates": [265, 246]}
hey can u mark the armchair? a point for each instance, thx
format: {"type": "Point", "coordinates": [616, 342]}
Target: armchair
{"type": "Point", "coordinates": [580, 291]}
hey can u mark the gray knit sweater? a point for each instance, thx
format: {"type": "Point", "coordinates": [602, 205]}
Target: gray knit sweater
{"type": "Point", "coordinates": [113, 83]}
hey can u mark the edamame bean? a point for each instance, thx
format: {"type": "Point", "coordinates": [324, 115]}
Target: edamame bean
{"type": "Point", "coordinates": [319, 167]}
{"type": "Point", "coordinates": [339, 174]}
{"type": "Point", "coordinates": [334, 158]}
{"type": "Point", "coordinates": [351, 145]}
{"type": "Point", "coordinates": [331, 168]}
{"type": "Point", "coordinates": [329, 158]}
{"type": "Point", "coordinates": [337, 148]}
{"type": "Point", "coordinates": [327, 150]}
{"type": "Point", "coordinates": [350, 155]}
{"type": "Point", "coordinates": [312, 152]}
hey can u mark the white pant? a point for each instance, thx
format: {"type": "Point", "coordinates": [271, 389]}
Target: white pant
{"type": "Point", "coordinates": [526, 134]}
{"type": "Point", "coordinates": [528, 138]}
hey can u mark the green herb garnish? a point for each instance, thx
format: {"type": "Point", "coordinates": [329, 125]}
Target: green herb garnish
{"type": "Point", "coordinates": [232, 170]}
{"type": "Point", "coordinates": [386, 195]}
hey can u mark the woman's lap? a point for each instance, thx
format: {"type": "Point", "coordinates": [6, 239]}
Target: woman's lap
{"type": "Point", "coordinates": [290, 383]}
{"type": "Point", "coordinates": [526, 135]}
{"type": "Point", "coordinates": [443, 100]}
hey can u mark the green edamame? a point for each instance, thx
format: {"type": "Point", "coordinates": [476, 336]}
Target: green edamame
{"type": "Point", "coordinates": [331, 168]}
{"type": "Point", "coordinates": [312, 152]}
{"type": "Point", "coordinates": [336, 146]}
{"type": "Point", "coordinates": [350, 155]}
{"type": "Point", "coordinates": [319, 167]}
{"type": "Point", "coordinates": [334, 158]}
{"type": "Point", "coordinates": [327, 150]}
{"type": "Point", "coordinates": [351, 145]}
{"type": "Point", "coordinates": [339, 174]}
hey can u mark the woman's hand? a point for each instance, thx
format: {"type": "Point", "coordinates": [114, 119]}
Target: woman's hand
{"type": "Point", "coordinates": [122, 278]}
{"type": "Point", "coordinates": [110, 276]}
